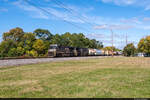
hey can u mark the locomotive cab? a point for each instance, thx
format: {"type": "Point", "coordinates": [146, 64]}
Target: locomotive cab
{"type": "Point", "coordinates": [52, 50]}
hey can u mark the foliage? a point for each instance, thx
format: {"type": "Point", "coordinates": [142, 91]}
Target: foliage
{"type": "Point", "coordinates": [144, 45]}
{"type": "Point", "coordinates": [6, 46]}
{"type": "Point", "coordinates": [20, 51]}
{"type": "Point", "coordinates": [32, 53]}
{"type": "Point", "coordinates": [16, 42]}
{"type": "Point", "coordinates": [27, 41]}
{"type": "Point", "coordinates": [43, 34]}
{"type": "Point", "coordinates": [110, 48]}
{"type": "Point", "coordinates": [12, 52]}
{"type": "Point", "coordinates": [39, 46]}
{"type": "Point", "coordinates": [76, 40]}
{"type": "Point", "coordinates": [129, 50]}
{"type": "Point", "coordinates": [14, 34]}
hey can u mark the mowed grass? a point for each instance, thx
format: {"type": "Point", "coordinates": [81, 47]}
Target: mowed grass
{"type": "Point", "coordinates": [100, 77]}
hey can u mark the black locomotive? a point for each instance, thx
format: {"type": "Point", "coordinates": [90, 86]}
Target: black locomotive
{"type": "Point", "coordinates": [64, 51]}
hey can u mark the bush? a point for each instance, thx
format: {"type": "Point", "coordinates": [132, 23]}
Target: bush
{"type": "Point", "coordinates": [12, 52]}
{"type": "Point", "coordinates": [32, 53]}
{"type": "Point", "coordinates": [20, 51]}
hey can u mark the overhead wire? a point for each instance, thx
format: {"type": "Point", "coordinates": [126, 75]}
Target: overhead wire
{"type": "Point", "coordinates": [72, 11]}
{"type": "Point", "coordinates": [44, 10]}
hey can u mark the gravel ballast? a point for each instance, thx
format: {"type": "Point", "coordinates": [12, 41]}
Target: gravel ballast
{"type": "Point", "coordinates": [16, 62]}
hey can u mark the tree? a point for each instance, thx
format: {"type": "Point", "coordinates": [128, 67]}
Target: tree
{"type": "Point", "coordinates": [144, 45]}
{"type": "Point", "coordinates": [14, 34]}
{"type": "Point", "coordinates": [56, 39]}
{"type": "Point", "coordinates": [20, 51]}
{"type": "Point", "coordinates": [39, 46]}
{"type": "Point", "coordinates": [32, 53]}
{"type": "Point", "coordinates": [6, 46]}
{"type": "Point", "coordinates": [78, 40]}
{"type": "Point", "coordinates": [129, 50]}
{"type": "Point", "coordinates": [66, 39]}
{"type": "Point", "coordinates": [109, 48]}
{"type": "Point", "coordinates": [12, 52]}
{"type": "Point", "coordinates": [43, 34]}
{"type": "Point", "coordinates": [27, 41]}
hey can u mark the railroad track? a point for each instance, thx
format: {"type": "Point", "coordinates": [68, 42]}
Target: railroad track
{"type": "Point", "coordinates": [17, 62]}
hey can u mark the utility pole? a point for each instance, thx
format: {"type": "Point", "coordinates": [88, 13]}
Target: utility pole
{"type": "Point", "coordinates": [126, 39]}
{"type": "Point", "coordinates": [112, 36]}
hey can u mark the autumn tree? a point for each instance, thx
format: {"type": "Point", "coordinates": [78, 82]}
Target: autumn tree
{"type": "Point", "coordinates": [39, 46]}
{"type": "Point", "coordinates": [144, 45]}
{"type": "Point", "coordinates": [14, 34]}
{"type": "Point", "coordinates": [129, 50]}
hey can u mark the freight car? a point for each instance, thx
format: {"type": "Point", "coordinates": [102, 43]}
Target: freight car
{"type": "Point", "coordinates": [96, 52]}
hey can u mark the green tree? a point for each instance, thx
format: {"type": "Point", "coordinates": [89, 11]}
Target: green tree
{"type": "Point", "coordinates": [43, 34]}
{"type": "Point", "coordinates": [12, 52]}
{"type": "Point", "coordinates": [66, 39]}
{"type": "Point", "coordinates": [129, 50]}
{"type": "Point", "coordinates": [20, 51]}
{"type": "Point", "coordinates": [27, 41]}
{"type": "Point", "coordinates": [56, 39]}
{"type": "Point", "coordinates": [14, 34]}
{"type": "Point", "coordinates": [39, 46]}
{"type": "Point", "coordinates": [31, 53]}
{"type": "Point", "coordinates": [6, 46]}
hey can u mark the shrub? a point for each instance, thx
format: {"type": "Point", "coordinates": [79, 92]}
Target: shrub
{"type": "Point", "coordinates": [32, 53]}
{"type": "Point", "coordinates": [20, 51]}
{"type": "Point", "coordinates": [12, 52]}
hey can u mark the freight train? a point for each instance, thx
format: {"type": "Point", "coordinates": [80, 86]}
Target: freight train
{"type": "Point", "coordinates": [64, 51]}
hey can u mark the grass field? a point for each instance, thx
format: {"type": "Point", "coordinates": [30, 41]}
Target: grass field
{"type": "Point", "coordinates": [101, 77]}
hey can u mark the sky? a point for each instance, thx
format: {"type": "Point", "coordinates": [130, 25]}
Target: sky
{"type": "Point", "coordinates": [94, 18]}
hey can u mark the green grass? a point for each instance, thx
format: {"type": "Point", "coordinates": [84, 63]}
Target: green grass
{"type": "Point", "coordinates": [105, 77]}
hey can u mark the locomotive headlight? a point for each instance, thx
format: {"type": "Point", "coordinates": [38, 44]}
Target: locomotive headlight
{"type": "Point", "coordinates": [52, 50]}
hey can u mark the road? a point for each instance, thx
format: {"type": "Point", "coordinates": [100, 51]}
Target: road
{"type": "Point", "coordinates": [17, 62]}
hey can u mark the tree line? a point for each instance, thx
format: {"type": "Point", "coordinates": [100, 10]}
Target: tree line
{"type": "Point", "coordinates": [142, 47]}
{"type": "Point", "coordinates": [16, 42]}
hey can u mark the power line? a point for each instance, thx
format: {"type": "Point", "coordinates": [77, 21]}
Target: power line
{"type": "Point", "coordinates": [70, 10]}
{"type": "Point", "coordinates": [30, 3]}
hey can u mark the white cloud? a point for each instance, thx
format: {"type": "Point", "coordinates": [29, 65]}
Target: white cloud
{"type": "Point", "coordinates": [96, 35]}
{"type": "Point", "coordinates": [34, 12]}
{"type": "Point", "coordinates": [121, 2]}
{"type": "Point", "coordinates": [133, 20]}
{"type": "Point", "coordinates": [142, 3]}
{"type": "Point", "coordinates": [101, 27]}
{"type": "Point", "coordinates": [116, 27]}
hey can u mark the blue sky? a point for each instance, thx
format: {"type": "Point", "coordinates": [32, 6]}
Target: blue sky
{"type": "Point", "coordinates": [94, 18]}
